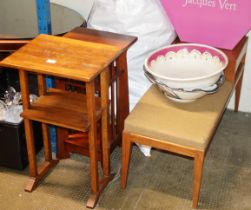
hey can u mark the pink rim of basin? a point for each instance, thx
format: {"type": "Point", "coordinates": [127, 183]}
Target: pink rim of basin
{"type": "Point", "coordinates": [218, 23]}
{"type": "Point", "coordinates": [188, 46]}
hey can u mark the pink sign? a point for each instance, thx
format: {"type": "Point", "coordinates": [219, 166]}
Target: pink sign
{"type": "Point", "coordinates": [219, 23]}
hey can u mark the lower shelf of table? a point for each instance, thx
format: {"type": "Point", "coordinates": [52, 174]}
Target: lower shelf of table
{"type": "Point", "coordinates": [78, 142]}
{"type": "Point", "coordinates": [62, 108]}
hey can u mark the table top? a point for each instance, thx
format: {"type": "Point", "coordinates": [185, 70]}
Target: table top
{"type": "Point", "coordinates": [18, 19]}
{"type": "Point", "coordinates": [63, 57]}
{"type": "Point", "coordinates": [104, 37]}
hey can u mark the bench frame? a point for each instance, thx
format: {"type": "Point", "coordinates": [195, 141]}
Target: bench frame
{"type": "Point", "coordinates": [234, 74]}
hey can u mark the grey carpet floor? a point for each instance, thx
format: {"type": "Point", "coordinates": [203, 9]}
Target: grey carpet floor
{"type": "Point", "coordinates": [160, 182]}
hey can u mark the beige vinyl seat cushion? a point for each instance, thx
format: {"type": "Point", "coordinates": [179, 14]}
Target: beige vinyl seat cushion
{"type": "Point", "coordinates": [186, 124]}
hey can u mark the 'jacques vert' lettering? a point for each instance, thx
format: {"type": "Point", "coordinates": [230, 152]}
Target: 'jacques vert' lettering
{"type": "Point", "coordinates": [200, 3]}
{"type": "Point", "coordinates": [222, 4]}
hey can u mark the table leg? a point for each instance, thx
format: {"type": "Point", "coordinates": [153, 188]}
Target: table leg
{"type": "Point", "coordinates": [62, 133]}
{"type": "Point", "coordinates": [238, 86]}
{"type": "Point", "coordinates": [36, 174]}
{"type": "Point", "coordinates": [104, 83]}
{"type": "Point", "coordinates": [96, 186]}
{"type": "Point", "coordinates": [45, 132]}
{"type": "Point", "coordinates": [30, 147]}
{"type": "Point", "coordinates": [28, 130]}
{"type": "Point", "coordinates": [238, 94]}
{"type": "Point", "coordinates": [91, 109]}
{"type": "Point", "coordinates": [113, 101]}
{"type": "Point", "coordinates": [123, 92]}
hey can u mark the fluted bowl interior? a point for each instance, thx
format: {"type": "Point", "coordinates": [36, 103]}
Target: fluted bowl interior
{"type": "Point", "coordinates": [186, 69]}
{"type": "Point", "coordinates": [187, 65]}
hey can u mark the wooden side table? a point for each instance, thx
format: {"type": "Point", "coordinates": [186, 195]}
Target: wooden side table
{"type": "Point", "coordinates": [118, 87]}
{"type": "Point", "coordinates": [70, 59]}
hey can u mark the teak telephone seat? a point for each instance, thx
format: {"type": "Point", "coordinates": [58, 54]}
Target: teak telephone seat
{"type": "Point", "coordinates": [184, 129]}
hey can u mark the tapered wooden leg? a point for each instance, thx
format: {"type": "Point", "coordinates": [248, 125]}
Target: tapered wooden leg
{"type": "Point", "coordinates": [36, 173]}
{"type": "Point", "coordinates": [47, 143]}
{"type": "Point", "coordinates": [24, 85]}
{"type": "Point", "coordinates": [97, 186]}
{"type": "Point", "coordinates": [46, 139]}
{"type": "Point", "coordinates": [238, 93]}
{"type": "Point", "coordinates": [104, 83]}
{"type": "Point", "coordinates": [91, 107]}
{"type": "Point", "coordinates": [94, 196]}
{"type": "Point", "coordinates": [123, 92]}
{"type": "Point", "coordinates": [126, 156]}
{"type": "Point", "coordinates": [30, 147]}
{"type": "Point", "coordinates": [62, 134]}
{"type": "Point", "coordinates": [198, 171]}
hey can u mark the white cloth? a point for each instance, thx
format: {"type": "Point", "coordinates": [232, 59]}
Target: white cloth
{"type": "Point", "coordinates": [142, 18]}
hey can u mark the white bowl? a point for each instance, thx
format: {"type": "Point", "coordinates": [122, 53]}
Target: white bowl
{"type": "Point", "coordinates": [186, 71]}
{"type": "Point", "coordinates": [182, 95]}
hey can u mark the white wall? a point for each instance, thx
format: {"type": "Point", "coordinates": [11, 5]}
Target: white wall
{"type": "Point", "coordinates": [84, 6]}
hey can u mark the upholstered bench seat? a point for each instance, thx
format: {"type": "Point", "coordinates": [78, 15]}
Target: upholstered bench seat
{"type": "Point", "coordinates": [186, 124]}
{"type": "Point", "coordinates": [181, 128]}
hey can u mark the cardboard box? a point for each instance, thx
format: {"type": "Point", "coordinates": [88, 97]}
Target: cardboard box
{"type": "Point", "coordinates": [219, 23]}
